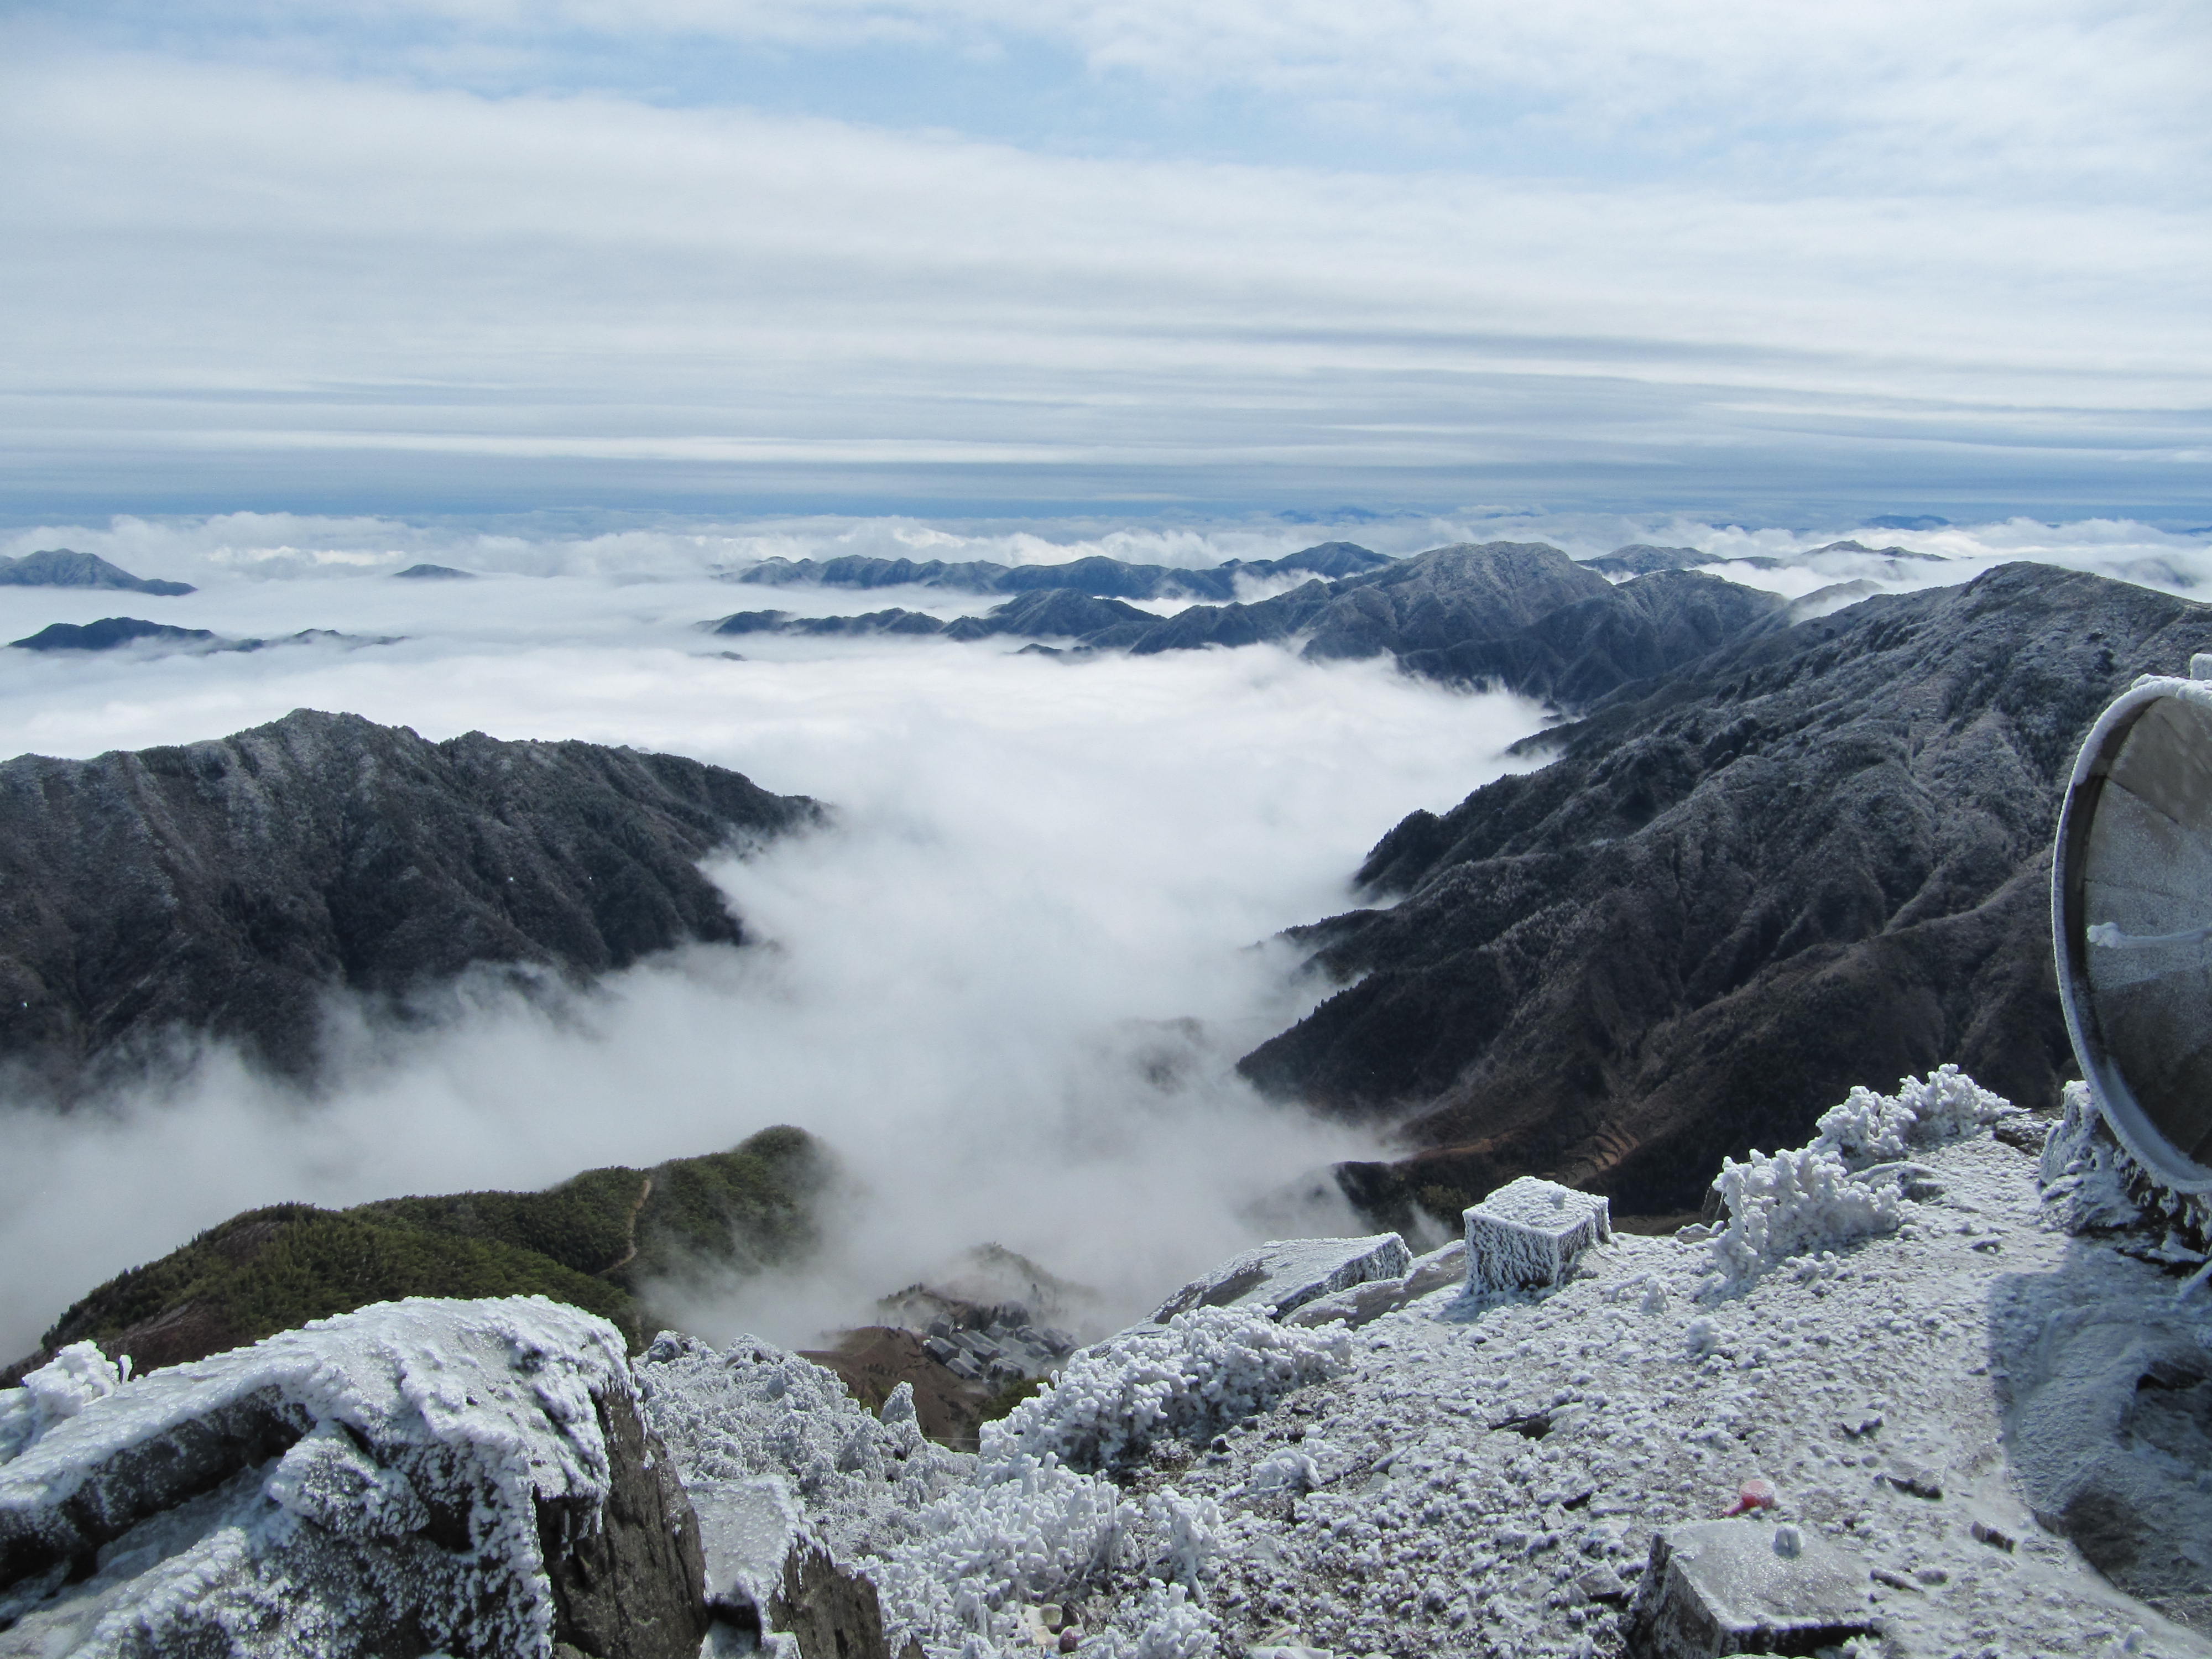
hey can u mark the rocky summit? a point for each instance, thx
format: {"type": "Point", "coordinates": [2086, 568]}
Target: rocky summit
{"type": "Point", "coordinates": [226, 887]}
{"type": "Point", "coordinates": [1817, 857]}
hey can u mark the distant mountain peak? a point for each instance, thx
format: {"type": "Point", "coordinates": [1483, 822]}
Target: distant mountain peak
{"type": "Point", "coordinates": [64, 566]}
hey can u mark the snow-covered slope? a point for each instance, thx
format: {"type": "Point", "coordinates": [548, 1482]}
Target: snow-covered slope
{"type": "Point", "coordinates": [1942, 1366]}
{"type": "Point", "coordinates": [1883, 1345]}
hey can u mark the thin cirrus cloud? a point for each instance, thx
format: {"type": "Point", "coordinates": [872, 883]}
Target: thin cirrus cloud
{"type": "Point", "coordinates": [450, 256]}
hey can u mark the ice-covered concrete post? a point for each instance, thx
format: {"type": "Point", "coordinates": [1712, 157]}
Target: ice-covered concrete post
{"type": "Point", "coordinates": [1529, 1232]}
{"type": "Point", "coordinates": [1726, 1587]}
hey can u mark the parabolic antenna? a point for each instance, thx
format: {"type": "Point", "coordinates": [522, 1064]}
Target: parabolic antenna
{"type": "Point", "coordinates": [2132, 916]}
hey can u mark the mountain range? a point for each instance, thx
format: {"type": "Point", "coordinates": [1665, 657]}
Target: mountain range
{"type": "Point", "coordinates": [1817, 856]}
{"type": "Point", "coordinates": [1520, 615]}
{"type": "Point", "coordinates": [226, 888]}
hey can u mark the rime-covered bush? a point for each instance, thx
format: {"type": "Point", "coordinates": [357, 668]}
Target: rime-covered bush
{"type": "Point", "coordinates": [1208, 1368]}
{"type": "Point", "coordinates": [1793, 1203]}
{"type": "Point", "coordinates": [1166, 1624]}
{"type": "Point", "coordinates": [1033, 1534]}
{"type": "Point", "coordinates": [1945, 1106]}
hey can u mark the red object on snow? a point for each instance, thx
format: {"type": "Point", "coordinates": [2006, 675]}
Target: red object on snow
{"type": "Point", "coordinates": [1755, 1495]}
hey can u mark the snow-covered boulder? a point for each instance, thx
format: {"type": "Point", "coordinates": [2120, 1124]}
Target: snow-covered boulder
{"type": "Point", "coordinates": [1529, 1232]}
{"type": "Point", "coordinates": [2090, 1183]}
{"type": "Point", "coordinates": [468, 1477]}
{"type": "Point", "coordinates": [1726, 1587]}
{"type": "Point", "coordinates": [1285, 1273]}
{"type": "Point", "coordinates": [1363, 1304]}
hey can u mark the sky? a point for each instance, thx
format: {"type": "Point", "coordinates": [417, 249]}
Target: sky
{"type": "Point", "coordinates": [489, 262]}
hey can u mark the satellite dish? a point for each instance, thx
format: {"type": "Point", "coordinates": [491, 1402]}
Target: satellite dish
{"type": "Point", "coordinates": [2132, 916]}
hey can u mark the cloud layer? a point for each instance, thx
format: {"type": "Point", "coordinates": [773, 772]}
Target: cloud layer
{"type": "Point", "coordinates": [1006, 989]}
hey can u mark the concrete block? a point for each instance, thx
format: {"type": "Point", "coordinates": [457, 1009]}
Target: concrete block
{"type": "Point", "coordinates": [1728, 1587]}
{"type": "Point", "coordinates": [1527, 1233]}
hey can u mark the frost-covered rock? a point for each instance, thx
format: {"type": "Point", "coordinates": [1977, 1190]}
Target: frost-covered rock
{"type": "Point", "coordinates": [1363, 1304]}
{"type": "Point", "coordinates": [2090, 1183]}
{"type": "Point", "coordinates": [466, 1476]}
{"type": "Point", "coordinates": [865, 1521]}
{"type": "Point", "coordinates": [1206, 1368]}
{"type": "Point", "coordinates": [1725, 1587]}
{"type": "Point", "coordinates": [1945, 1106]}
{"type": "Point", "coordinates": [1285, 1273]}
{"type": "Point", "coordinates": [58, 1390]}
{"type": "Point", "coordinates": [1528, 1233]}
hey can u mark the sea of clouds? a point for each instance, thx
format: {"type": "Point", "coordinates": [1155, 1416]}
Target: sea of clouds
{"type": "Point", "coordinates": [1007, 988]}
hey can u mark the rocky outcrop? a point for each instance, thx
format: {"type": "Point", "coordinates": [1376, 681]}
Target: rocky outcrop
{"type": "Point", "coordinates": [473, 1477]}
{"type": "Point", "coordinates": [62, 566]}
{"type": "Point", "coordinates": [225, 887]}
{"type": "Point", "coordinates": [1818, 858]}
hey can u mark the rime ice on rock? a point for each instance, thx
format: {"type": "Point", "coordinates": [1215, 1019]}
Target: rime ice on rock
{"type": "Point", "coordinates": [469, 1476]}
{"type": "Point", "coordinates": [1529, 1232]}
{"type": "Point", "coordinates": [1726, 1587]}
{"type": "Point", "coordinates": [1285, 1275]}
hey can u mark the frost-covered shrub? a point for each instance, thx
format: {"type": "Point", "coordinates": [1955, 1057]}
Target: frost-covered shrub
{"type": "Point", "coordinates": [1189, 1532]}
{"type": "Point", "coordinates": [1945, 1106]}
{"type": "Point", "coordinates": [1033, 1534]}
{"type": "Point", "coordinates": [1792, 1204]}
{"type": "Point", "coordinates": [1209, 1368]}
{"type": "Point", "coordinates": [1165, 1623]}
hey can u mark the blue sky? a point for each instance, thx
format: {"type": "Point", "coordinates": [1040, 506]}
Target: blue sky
{"type": "Point", "coordinates": [971, 257]}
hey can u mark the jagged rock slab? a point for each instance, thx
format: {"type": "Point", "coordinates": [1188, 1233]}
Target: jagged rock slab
{"type": "Point", "coordinates": [1528, 1234]}
{"type": "Point", "coordinates": [1363, 1304]}
{"type": "Point", "coordinates": [225, 887]}
{"type": "Point", "coordinates": [471, 1477]}
{"type": "Point", "coordinates": [1285, 1274]}
{"type": "Point", "coordinates": [1728, 1587]}
{"type": "Point", "coordinates": [62, 566]}
{"type": "Point", "coordinates": [1819, 857]}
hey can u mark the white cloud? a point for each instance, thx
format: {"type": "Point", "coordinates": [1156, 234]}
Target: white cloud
{"type": "Point", "coordinates": [230, 276]}
{"type": "Point", "coordinates": [1038, 867]}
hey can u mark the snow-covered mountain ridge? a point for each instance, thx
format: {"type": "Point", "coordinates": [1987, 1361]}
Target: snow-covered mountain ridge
{"type": "Point", "coordinates": [1958, 1367]}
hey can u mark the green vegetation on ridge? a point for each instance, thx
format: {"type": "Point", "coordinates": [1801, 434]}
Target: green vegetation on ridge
{"type": "Point", "coordinates": [598, 1240]}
